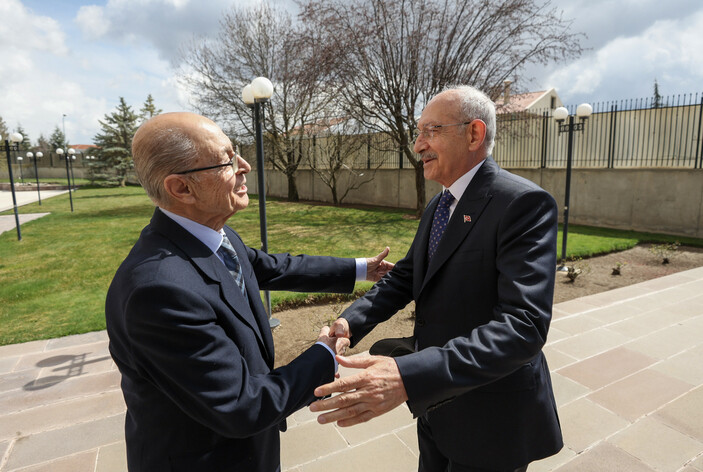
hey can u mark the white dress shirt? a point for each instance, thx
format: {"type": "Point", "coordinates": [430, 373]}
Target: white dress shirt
{"type": "Point", "coordinates": [213, 240]}
{"type": "Point", "coordinates": [459, 187]}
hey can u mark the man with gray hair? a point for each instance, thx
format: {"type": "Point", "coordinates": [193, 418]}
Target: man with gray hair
{"type": "Point", "coordinates": [481, 272]}
{"type": "Point", "coordinates": [187, 328]}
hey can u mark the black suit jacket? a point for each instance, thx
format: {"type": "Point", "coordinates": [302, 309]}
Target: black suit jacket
{"type": "Point", "coordinates": [196, 356]}
{"type": "Point", "coordinates": [483, 308]}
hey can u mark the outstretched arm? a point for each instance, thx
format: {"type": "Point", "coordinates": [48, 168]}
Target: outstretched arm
{"type": "Point", "coordinates": [372, 392]}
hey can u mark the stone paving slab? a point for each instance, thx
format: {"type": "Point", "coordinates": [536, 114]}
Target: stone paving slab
{"type": "Point", "coordinates": [627, 371]}
{"type": "Point", "coordinates": [23, 198]}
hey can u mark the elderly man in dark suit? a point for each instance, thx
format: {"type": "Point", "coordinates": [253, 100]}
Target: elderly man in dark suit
{"type": "Point", "coordinates": [481, 272]}
{"type": "Point", "coordinates": [187, 328]}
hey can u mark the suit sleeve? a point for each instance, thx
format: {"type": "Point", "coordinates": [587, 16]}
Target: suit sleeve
{"type": "Point", "coordinates": [301, 273]}
{"type": "Point", "coordinates": [525, 264]}
{"type": "Point", "coordinates": [392, 293]}
{"type": "Point", "coordinates": [178, 344]}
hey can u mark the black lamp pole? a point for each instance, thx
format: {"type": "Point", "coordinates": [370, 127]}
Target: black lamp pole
{"type": "Point", "coordinates": [567, 192]}
{"type": "Point", "coordinates": [13, 147]}
{"type": "Point", "coordinates": [36, 174]}
{"type": "Point", "coordinates": [258, 118]}
{"type": "Point", "coordinates": [68, 177]}
{"type": "Point", "coordinates": [583, 111]}
{"type": "Point", "coordinates": [73, 177]}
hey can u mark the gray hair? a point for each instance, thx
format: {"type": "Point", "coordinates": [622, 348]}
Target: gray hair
{"type": "Point", "coordinates": [477, 105]}
{"type": "Point", "coordinates": [159, 155]}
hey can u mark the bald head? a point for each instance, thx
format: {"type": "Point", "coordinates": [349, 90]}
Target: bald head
{"type": "Point", "coordinates": [168, 143]}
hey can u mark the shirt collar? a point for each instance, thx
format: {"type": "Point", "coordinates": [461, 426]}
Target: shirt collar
{"type": "Point", "coordinates": [208, 236]}
{"type": "Point", "coordinates": [459, 186]}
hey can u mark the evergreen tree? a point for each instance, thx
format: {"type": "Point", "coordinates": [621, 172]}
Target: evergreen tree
{"type": "Point", "coordinates": [43, 145]}
{"type": "Point", "coordinates": [115, 142]}
{"type": "Point", "coordinates": [26, 144]}
{"type": "Point", "coordinates": [657, 98]}
{"type": "Point", "coordinates": [3, 130]}
{"type": "Point", "coordinates": [58, 140]}
{"type": "Point", "coordinates": [149, 109]}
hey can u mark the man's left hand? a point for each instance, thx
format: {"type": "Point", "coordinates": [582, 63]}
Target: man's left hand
{"type": "Point", "coordinates": [376, 390]}
{"type": "Point", "coordinates": [377, 267]}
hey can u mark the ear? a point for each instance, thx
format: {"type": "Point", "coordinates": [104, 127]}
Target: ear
{"type": "Point", "coordinates": [179, 189]}
{"type": "Point", "coordinates": [476, 134]}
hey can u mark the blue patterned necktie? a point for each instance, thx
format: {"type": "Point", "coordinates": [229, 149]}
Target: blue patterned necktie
{"type": "Point", "coordinates": [229, 257]}
{"type": "Point", "coordinates": [439, 224]}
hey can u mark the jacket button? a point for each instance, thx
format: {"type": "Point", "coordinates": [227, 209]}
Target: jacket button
{"type": "Point", "coordinates": [420, 322]}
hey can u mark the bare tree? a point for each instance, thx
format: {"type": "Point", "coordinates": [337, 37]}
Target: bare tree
{"type": "Point", "coordinates": [337, 144]}
{"type": "Point", "coordinates": [252, 42]}
{"type": "Point", "coordinates": [393, 55]}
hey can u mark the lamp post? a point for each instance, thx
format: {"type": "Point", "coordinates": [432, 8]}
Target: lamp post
{"type": "Point", "coordinates": [583, 111]}
{"type": "Point", "coordinates": [255, 95]}
{"type": "Point", "coordinates": [59, 151]}
{"type": "Point", "coordinates": [19, 164]}
{"type": "Point", "coordinates": [15, 139]}
{"type": "Point", "coordinates": [37, 156]}
{"type": "Point", "coordinates": [72, 157]}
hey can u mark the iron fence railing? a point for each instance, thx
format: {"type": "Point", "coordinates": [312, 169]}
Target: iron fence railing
{"type": "Point", "coordinates": [625, 133]}
{"type": "Point", "coordinates": [619, 134]}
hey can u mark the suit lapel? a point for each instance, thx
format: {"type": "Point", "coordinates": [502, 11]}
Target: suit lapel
{"type": "Point", "coordinates": [465, 217]}
{"type": "Point", "coordinates": [422, 240]}
{"type": "Point", "coordinates": [213, 268]}
{"type": "Point", "coordinates": [255, 306]}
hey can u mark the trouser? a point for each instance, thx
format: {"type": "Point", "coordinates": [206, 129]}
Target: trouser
{"type": "Point", "coordinates": [432, 460]}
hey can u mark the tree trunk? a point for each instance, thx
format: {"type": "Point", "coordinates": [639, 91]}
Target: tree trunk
{"type": "Point", "coordinates": [335, 200]}
{"type": "Point", "coordinates": [292, 188]}
{"type": "Point", "coordinates": [420, 189]}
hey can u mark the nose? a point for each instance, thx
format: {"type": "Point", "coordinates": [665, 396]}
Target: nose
{"type": "Point", "coordinates": [244, 167]}
{"type": "Point", "coordinates": [420, 143]}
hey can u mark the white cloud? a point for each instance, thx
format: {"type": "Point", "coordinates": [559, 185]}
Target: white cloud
{"type": "Point", "coordinates": [21, 30]}
{"type": "Point", "coordinates": [626, 67]}
{"type": "Point", "coordinates": [91, 20]}
{"type": "Point", "coordinates": [45, 74]}
{"type": "Point", "coordinates": [164, 24]}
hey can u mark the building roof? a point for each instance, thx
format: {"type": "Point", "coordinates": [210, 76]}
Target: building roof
{"type": "Point", "coordinates": [83, 147]}
{"type": "Point", "coordinates": [518, 102]}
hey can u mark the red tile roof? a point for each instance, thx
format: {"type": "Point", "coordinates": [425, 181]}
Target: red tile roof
{"type": "Point", "coordinates": [518, 102]}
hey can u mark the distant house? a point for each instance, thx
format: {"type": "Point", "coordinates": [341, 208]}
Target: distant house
{"type": "Point", "coordinates": [530, 102]}
{"type": "Point", "coordinates": [521, 116]}
{"type": "Point", "coordinates": [84, 148]}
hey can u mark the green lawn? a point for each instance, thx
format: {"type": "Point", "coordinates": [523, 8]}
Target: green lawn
{"type": "Point", "coordinates": [53, 282]}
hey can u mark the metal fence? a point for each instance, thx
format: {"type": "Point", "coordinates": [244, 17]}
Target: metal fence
{"type": "Point", "coordinates": [375, 151]}
{"type": "Point", "coordinates": [619, 134]}
{"type": "Point", "coordinates": [625, 133]}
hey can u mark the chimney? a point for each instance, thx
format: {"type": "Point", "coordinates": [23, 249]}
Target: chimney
{"type": "Point", "coordinates": [506, 92]}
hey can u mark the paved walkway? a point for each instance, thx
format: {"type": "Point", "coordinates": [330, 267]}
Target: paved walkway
{"type": "Point", "coordinates": [7, 222]}
{"type": "Point", "coordinates": [627, 368]}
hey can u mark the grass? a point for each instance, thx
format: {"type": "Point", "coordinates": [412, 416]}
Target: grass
{"type": "Point", "coordinates": [42, 180]}
{"type": "Point", "coordinates": [53, 282]}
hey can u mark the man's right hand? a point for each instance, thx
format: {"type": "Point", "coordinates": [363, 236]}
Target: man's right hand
{"type": "Point", "coordinates": [337, 344]}
{"type": "Point", "coordinates": [340, 328]}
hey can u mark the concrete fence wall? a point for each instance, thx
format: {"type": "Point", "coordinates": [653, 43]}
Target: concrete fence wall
{"type": "Point", "coordinates": [653, 200]}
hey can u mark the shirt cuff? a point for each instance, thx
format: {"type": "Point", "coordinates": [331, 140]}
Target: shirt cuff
{"type": "Point", "coordinates": [336, 364]}
{"type": "Point", "coordinates": [360, 269]}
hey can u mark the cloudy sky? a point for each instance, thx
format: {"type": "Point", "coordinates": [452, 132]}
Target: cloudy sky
{"type": "Point", "coordinates": [77, 57]}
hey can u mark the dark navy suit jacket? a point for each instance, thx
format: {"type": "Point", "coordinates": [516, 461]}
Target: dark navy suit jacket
{"type": "Point", "coordinates": [197, 357]}
{"type": "Point", "coordinates": [483, 308]}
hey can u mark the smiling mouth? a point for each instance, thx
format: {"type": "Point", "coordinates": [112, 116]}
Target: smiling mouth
{"type": "Point", "coordinates": [428, 157]}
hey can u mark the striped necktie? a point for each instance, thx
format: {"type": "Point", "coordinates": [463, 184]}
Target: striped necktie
{"type": "Point", "coordinates": [229, 257]}
{"type": "Point", "coordinates": [439, 223]}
